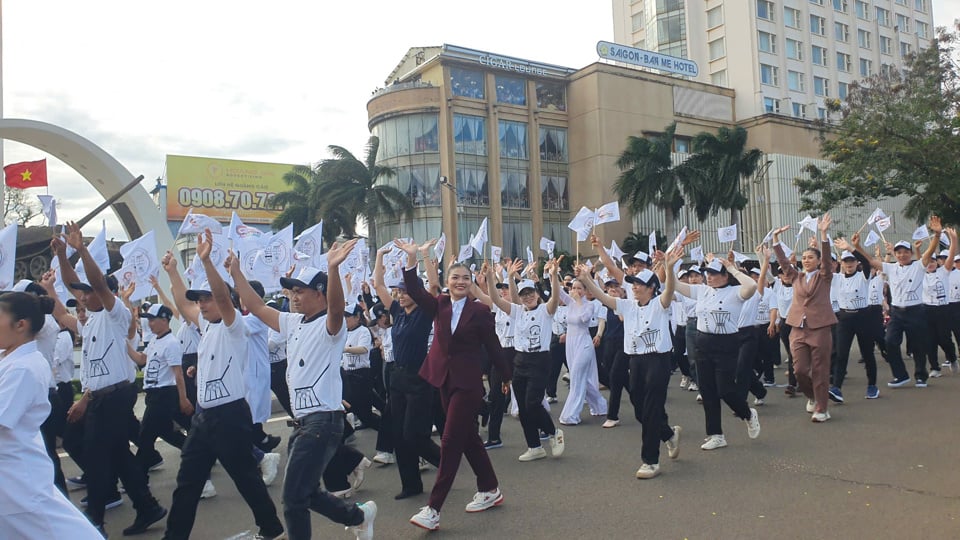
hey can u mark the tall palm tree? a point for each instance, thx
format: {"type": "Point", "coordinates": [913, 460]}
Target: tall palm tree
{"type": "Point", "coordinates": [648, 177]}
{"type": "Point", "coordinates": [356, 188]}
{"type": "Point", "coordinates": [301, 205]}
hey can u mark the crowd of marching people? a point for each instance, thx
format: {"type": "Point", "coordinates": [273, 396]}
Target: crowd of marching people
{"type": "Point", "coordinates": [408, 353]}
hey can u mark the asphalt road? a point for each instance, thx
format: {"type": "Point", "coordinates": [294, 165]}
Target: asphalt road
{"type": "Point", "coordinates": [882, 468]}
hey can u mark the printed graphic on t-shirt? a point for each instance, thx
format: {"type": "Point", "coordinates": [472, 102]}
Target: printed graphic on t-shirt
{"type": "Point", "coordinates": [214, 389]}
{"type": "Point", "coordinates": [306, 397]}
{"type": "Point", "coordinates": [152, 375]}
{"type": "Point", "coordinates": [98, 367]}
{"type": "Point", "coordinates": [533, 335]}
{"type": "Point", "coordinates": [858, 302]}
{"type": "Point", "coordinates": [720, 318]}
{"type": "Point", "coordinates": [649, 338]}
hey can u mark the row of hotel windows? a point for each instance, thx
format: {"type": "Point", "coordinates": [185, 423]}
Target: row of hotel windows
{"type": "Point", "coordinates": [793, 18]}
{"type": "Point", "coordinates": [863, 7]}
{"type": "Point", "coordinates": [796, 80]}
{"type": "Point", "coordinates": [767, 42]}
{"type": "Point", "coordinates": [798, 110]}
{"type": "Point", "coordinates": [418, 134]}
{"type": "Point", "coordinates": [470, 83]}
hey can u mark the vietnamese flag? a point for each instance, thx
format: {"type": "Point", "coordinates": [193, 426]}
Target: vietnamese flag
{"type": "Point", "coordinates": [28, 174]}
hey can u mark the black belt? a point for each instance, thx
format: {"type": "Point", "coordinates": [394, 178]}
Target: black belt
{"type": "Point", "coordinates": [905, 308]}
{"type": "Point", "coordinates": [851, 310]}
{"type": "Point", "coordinates": [298, 422]}
{"type": "Point", "coordinates": [109, 389]}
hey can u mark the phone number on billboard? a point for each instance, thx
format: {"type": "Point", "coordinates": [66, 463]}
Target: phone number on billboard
{"type": "Point", "coordinates": [218, 198]}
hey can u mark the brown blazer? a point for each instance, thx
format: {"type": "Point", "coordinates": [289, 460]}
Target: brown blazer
{"type": "Point", "coordinates": [811, 306]}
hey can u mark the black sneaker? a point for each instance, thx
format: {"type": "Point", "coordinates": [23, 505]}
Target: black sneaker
{"type": "Point", "coordinates": [145, 520]}
{"type": "Point", "coordinates": [113, 501]}
{"type": "Point", "coordinates": [267, 446]}
{"type": "Point", "coordinates": [897, 383]}
{"type": "Point", "coordinates": [490, 445]}
{"type": "Point", "coordinates": [77, 482]}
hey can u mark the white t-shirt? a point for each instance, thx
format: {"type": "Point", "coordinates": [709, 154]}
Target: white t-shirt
{"type": "Point", "coordinates": [530, 334]}
{"type": "Point", "coordinates": [386, 346]}
{"type": "Point", "coordinates": [503, 325]}
{"type": "Point", "coordinates": [906, 283]}
{"type": "Point", "coordinates": [63, 358]}
{"type": "Point", "coordinates": [313, 359]}
{"type": "Point", "coordinates": [763, 306]}
{"type": "Point", "coordinates": [854, 291]}
{"type": "Point", "coordinates": [784, 296]}
{"type": "Point", "coordinates": [954, 282]}
{"type": "Point", "coordinates": [221, 362]}
{"type": "Point", "coordinates": [750, 311]}
{"type": "Point", "coordinates": [189, 336]}
{"type": "Point", "coordinates": [358, 337]}
{"type": "Point", "coordinates": [835, 294]}
{"type": "Point", "coordinates": [146, 335]}
{"type": "Point", "coordinates": [162, 354]}
{"type": "Point", "coordinates": [718, 310]}
{"type": "Point", "coordinates": [104, 361]}
{"type": "Point", "coordinates": [875, 297]}
{"type": "Point", "coordinates": [25, 470]}
{"type": "Point", "coordinates": [599, 312]}
{"type": "Point", "coordinates": [277, 346]}
{"type": "Point", "coordinates": [47, 341]}
{"type": "Point", "coordinates": [559, 325]}
{"type": "Point", "coordinates": [935, 287]}
{"type": "Point", "coordinates": [646, 329]}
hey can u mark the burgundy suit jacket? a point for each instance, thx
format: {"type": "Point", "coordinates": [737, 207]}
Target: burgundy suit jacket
{"type": "Point", "coordinates": [456, 359]}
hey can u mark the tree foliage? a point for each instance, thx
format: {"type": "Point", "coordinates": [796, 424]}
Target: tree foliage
{"type": "Point", "coordinates": [711, 175]}
{"type": "Point", "coordinates": [897, 135]}
{"type": "Point", "coordinates": [18, 207]}
{"type": "Point", "coordinates": [648, 176]}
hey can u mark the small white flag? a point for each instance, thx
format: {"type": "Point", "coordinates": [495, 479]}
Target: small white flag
{"type": "Point", "coordinates": [530, 258]}
{"type": "Point", "coordinates": [197, 223]}
{"type": "Point", "coordinates": [496, 253]}
{"type": "Point", "coordinates": [769, 237]}
{"type": "Point", "coordinates": [678, 240]}
{"type": "Point", "coordinates": [140, 263]}
{"type": "Point", "coordinates": [787, 252]}
{"type": "Point", "coordinates": [697, 254]}
{"type": "Point", "coordinates": [608, 213]}
{"type": "Point", "coordinates": [479, 240]}
{"type": "Point", "coordinates": [727, 234]}
{"type": "Point", "coordinates": [589, 264]}
{"type": "Point", "coordinates": [740, 257]}
{"type": "Point", "coordinates": [309, 245]}
{"type": "Point", "coordinates": [8, 256]}
{"type": "Point", "coordinates": [652, 242]}
{"type": "Point", "coordinates": [921, 233]}
{"type": "Point", "coordinates": [547, 245]}
{"type": "Point", "coordinates": [614, 251]}
{"type": "Point", "coordinates": [465, 253]}
{"type": "Point", "coordinates": [583, 223]}
{"type": "Point", "coordinates": [48, 206]}
{"type": "Point", "coordinates": [945, 239]}
{"type": "Point", "coordinates": [883, 224]}
{"type": "Point", "coordinates": [441, 245]}
{"type": "Point", "coordinates": [877, 214]}
{"type": "Point", "coordinates": [872, 238]}
{"type": "Point", "coordinates": [809, 223]}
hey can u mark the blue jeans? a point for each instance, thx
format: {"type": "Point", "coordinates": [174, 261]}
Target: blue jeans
{"type": "Point", "coordinates": [311, 447]}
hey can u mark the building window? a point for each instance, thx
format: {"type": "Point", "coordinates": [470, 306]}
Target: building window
{"type": "Point", "coordinates": [551, 96]}
{"type": "Point", "coordinates": [842, 90]}
{"type": "Point", "coordinates": [843, 62]}
{"type": "Point", "coordinates": [863, 10]}
{"type": "Point", "coordinates": [513, 140]}
{"type": "Point", "coordinates": [883, 17]}
{"type": "Point", "coordinates": [472, 187]}
{"type": "Point", "coordinates": [769, 75]}
{"type": "Point", "coordinates": [469, 135]}
{"type": "Point", "coordinates": [866, 67]}
{"type": "Point", "coordinates": [513, 189]}
{"type": "Point", "coordinates": [905, 49]}
{"type": "Point", "coordinates": [553, 192]}
{"type": "Point", "coordinates": [821, 113]}
{"type": "Point", "coordinates": [409, 134]}
{"type": "Point", "coordinates": [903, 23]}
{"type": "Point", "coordinates": [794, 49]}
{"type": "Point", "coordinates": [791, 17]}
{"type": "Point", "coordinates": [767, 42]}
{"type": "Point", "coordinates": [821, 86]}
{"type": "Point", "coordinates": [901, 2]}
{"type": "Point", "coordinates": [466, 83]}
{"type": "Point", "coordinates": [799, 110]}
{"type": "Point", "coordinates": [715, 17]}
{"type": "Point", "coordinates": [886, 70]}
{"type": "Point", "coordinates": [840, 5]}
{"type": "Point", "coordinates": [765, 10]}
{"type": "Point", "coordinates": [511, 90]}
{"type": "Point", "coordinates": [670, 29]}
{"type": "Point", "coordinates": [841, 32]}
{"type": "Point", "coordinates": [666, 6]}
{"type": "Point", "coordinates": [819, 56]}
{"type": "Point", "coordinates": [553, 144]}
{"type": "Point", "coordinates": [923, 29]}
{"type": "Point", "coordinates": [818, 25]}
{"type": "Point", "coordinates": [717, 49]}
{"type": "Point", "coordinates": [681, 145]}
{"type": "Point", "coordinates": [421, 184]}
{"type": "Point", "coordinates": [771, 105]}
{"type": "Point", "coordinates": [637, 21]}
{"type": "Point", "coordinates": [886, 45]}
{"type": "Point", "coordinates": [817, 2]}
{"type": "Point", "coordinates": [863, 39]}
{"type": "Point", "coordinates": [719, 78]}
{"type": "Point", "coordinates": [921, 5]}
{"type": "Point", "coordinates": [795, 81]}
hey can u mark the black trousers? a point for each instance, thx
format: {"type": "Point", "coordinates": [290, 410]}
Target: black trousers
{"type": "Point", "coordinates": [717, 364]}
{"type": "Point", "coordinates": [221, 433]}
{"type": "Point", "coordinates": [558, 359]}
{"type": "Point", "coordinates": [188, 360]}
{"type": "Point", "coordinates": [358, 392]}
{"type": "Point", "coordinates": [649, 379]}
{"type": "Point", "coordinates": [107, 456]}
{"type": "Point", "coordinates": [530, 382]}
{"type": "Point", "coordinates": [278, 384]}
{"type": "Point", "coordinates": [619, 379]}
{"type": "Point", "coordinates": [49, 429]}
{"type": "Point", "coordinates": [680, 359]}
{"type": "Point", "coordinates": [163, 409]}
{"type": "Point", "coordinates": [768, 353]}
{"type": "Point", "coordinates": [857, 324]}
{"type": "Point", "coordinates": [496, 400]}
{"type": "Point", "coordinates": [911, 321]}
{"type": "Point", "coordinates": [939, 325]}
{"type": "Point", "coordinates": [343, 462]}
{"type": "Point", "coordinates": [955, 319]}
{"type": "Point", "coordinates": [785, 339]}
{"type": "Point", "coordinates": [747, 380]}
{"type": "Point", "coordinates": [411, 402]}
{"type": "Point", "coordinates": [609, 347]}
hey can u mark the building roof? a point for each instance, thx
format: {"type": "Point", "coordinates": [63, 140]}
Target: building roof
{"type": "Point", "coordinates": [419, 56]}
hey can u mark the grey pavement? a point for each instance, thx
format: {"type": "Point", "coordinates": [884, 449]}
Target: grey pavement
{"type": "Point", "coordinates": [882, 468]}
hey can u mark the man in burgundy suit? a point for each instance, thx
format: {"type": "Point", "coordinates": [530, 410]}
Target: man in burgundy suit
{"type": "Point", "coordinates": [454, 366]}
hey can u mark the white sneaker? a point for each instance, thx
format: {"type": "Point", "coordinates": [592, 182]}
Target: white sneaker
{"type": "Point", "coordinates": [811, 405]}
{"type": "Point", "coordinates": [699, 398]}
{"type": "Point", "coordinates": [684, 381]}
{"type": "Point", "coordinates": [485, 500]}
{"type": "Point", "coordinates": [385, 458]}
{"type": "Point", "coordinates": [427, 518]}
{"type": "Point", "coordinates": [648, 471]}
{"type": "Point", "coordinates": [343, 493]}
{"type": "Point", "coordinates": [692, 387]}
{"type": "Point", "coordinates": [269, 466]}
{"type": "Point", "coordinates": [820, 417]}
{"type": "Point", "coordinates": [608, 423]}
{"type": "Point", "coordinates": [934, 374]}
{"type": "Point", "coordinates": [208, 490]}
{"type": "Point", "coordinates": [424, 465]}
{"type": "Point", "coordinates": [557, 444]}
{"type": "Point", "coordinates": [356, 476]}
{"type": "Point", "coordinates": [364, 531]}
{"type": "Point", "coordinates": [753, 424]}
{"type": "Point", "coordinates": [757, 402]}
{"type": "Point", "coordinates": [713, 442]}
{"type": "Point", "coordinates": [673, 444]}
{"type": "Point", "coordinates": [533, 454]}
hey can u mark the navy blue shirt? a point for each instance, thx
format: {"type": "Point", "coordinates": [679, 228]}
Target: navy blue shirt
{"type": "Point", "coordinates": [614, 329]}
{"type": "Point", "coordinates": [410, 332]}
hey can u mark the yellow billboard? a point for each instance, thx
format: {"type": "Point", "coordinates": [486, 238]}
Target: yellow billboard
{"type": "Point", "coordinates": [217, 187]}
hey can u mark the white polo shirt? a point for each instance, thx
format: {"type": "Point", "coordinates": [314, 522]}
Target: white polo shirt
{"type": "Point", "coordinates": [784, 296]}
{"type": "Point", "coordinates": [47, 342]}
{"type": "Point", "coordinates": [189, 336]}
{"type": "Point", "coordinates": [763, 305]}
{"type": "Point", "coordinates": [162, 354]}
{"type": "Point", "coordinates": [835, 294]}
{"type": "Point", "coordinates": [313, 362]}
{"type": "Point", "coordinates": [277, 346]}
{"type": "Point", "coordinates": [748, 315]}
{"type": "Point", "coordinates": [358, 337]}
{"type": "Point", "coordinates": [221, 362]}
{"type": "Point", "coordinates": [646, 329]}
{"type": "Point", "coordinates": [599, 312]}
{"type": "Point", "coordinates": [854, 291]}
{"type": "Point", "coordinates": [718, 310]}
{"type": "Point", "coordinates": [935, 287]}
{"type": "Point", "coordinates": [103, 360]}
{"type": "Point", "coordinates": [875, 296]}
{"type": "Point", "coordinates": [954, 282]}
{"type": "Point", "coordinates": [533, 328]}
{"type": "Point", "coordinates": [906, 283]}
{"type": "Point", "coordinates": [503, 325]}
{"type": "Point", "coordinates": [63, 358]}
{"type": "Point", "coordinates": [559, 325]}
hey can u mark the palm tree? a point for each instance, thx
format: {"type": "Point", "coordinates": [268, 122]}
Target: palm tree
{"type": "Point", "coordinates": [648, 177]}
{"type": "Point", "coordinates": [356, 189]}
{"type": "Point", "coordinates": [711, 176]}
{"type": "Point", "coordinates": [301, 205]}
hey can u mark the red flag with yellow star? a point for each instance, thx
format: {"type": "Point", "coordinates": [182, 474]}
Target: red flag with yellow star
{"type": "Point", "coordinates": [28, 174]}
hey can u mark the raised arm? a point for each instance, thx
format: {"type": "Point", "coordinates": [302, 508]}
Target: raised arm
{"type": "Point", "coordinates": [164, 299]}
{"type": "Point", "coordinates": [336, 305]}
{"type": "Point", "coordinates": [414, 286]}
{"type": "Point", "coordinates": [554, 299]}
{"type": "Point", "coordinates": [67, 272]}
{"type": "Point", "coordinates": [125, 295]}
{"type": "Point", "coordinates": [94, 275]}
{"type": "Point", "coordinates": [936, 228]}
{"type": "Point", "coordinates": [747, 285]}
{"type": "Point", "coordinates": [379, 285]}
{"type": "Point", "coordinates": [218, 287]}
{"type": "Point", "coordinates": [251, 300]}
{"type": "Point", "coordinates": [595, 290]}
{"type": "Point", "coordinates": [60, 312]}
{"type": "Point", "coordinates": [786, 266]}
{"type": "Point", "coordinates": [671, 258]}
{"type": "Point", "coordinates": [952, 234]}
{"type": "Point", "coordinates": [612, 267]}
{"type": "Point", "coordinates": [138, 358]}
{"type": "Point", "coordinates": [826, 261]}
{"type": "Point", "coordinates": [874, 262]}
{"type": "Point", "coordinates": [189, 310]}
{"type": "Point", "coordinates": [495, 298]}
